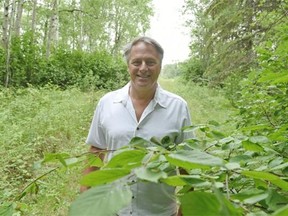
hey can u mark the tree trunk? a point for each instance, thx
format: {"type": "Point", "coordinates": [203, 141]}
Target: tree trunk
{"type": "Point", "coordinates": [7, 28]}
{"type": "Point", "coordinates": [18, 17]}
{"type": "Point", "coordinates": [33, 23]}
{"type": "Point", "coordinates": [52, 28]}
{"type": "Point", "coordinates": [5, 25]}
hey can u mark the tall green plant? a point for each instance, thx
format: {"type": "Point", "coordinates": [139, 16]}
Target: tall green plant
{"type": "Point", "coordinates": [265, 111]}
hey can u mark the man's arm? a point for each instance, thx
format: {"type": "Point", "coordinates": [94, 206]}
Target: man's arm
{"type": "Point", "coordinates": [96, 151]}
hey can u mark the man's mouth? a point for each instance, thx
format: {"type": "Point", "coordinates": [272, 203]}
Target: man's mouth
{"type": "Point", "coordinates": [143, 76]}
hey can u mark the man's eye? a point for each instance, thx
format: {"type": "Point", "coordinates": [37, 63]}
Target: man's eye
{"type": "Point", "coordinates": [136, 63]}
{"type": "Point", "coordinates": [151, 63]}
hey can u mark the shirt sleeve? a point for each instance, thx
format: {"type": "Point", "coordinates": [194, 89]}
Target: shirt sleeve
{"type": "Point", "coordinates": [96, 135]}
{"type": "Point", "coordinates": [186, 121]}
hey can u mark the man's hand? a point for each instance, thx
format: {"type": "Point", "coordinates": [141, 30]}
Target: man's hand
{"type": "Point", "coordinates": [96, 151]}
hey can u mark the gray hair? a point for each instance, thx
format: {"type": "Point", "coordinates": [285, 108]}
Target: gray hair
{"type": "Point", "coordinates": [147, 40]}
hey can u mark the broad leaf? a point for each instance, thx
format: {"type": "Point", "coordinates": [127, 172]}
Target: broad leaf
{"type": "Point", "coordinates": [94, 160]}
{"type": "Point", "coordinates": [281, 212]}
{"type": "Point", "coordinates": [227, 208]}
{"type": "Point", "coordinates": [200, 204]}
{"type": "Point", "coordinates": [276, 200]}
{"type": "Point", "coordinates": [101, 200]}
{"type": "Point", "coordinates": [250, 146]}
{"type": "Point", "coordinates": [256, 198]}
{"type": "Point", "coordinates": [246, 194]}
{"type": "Point", "coordinates": [127, 158]}
{"type": "Point", "coordinates": [51, 157]}
{"type": "Point", "coordinates": [182, 180]}
{"type": "Point", "coordinates": [259, 139]}
{"type": "Point", "coordinates": [193, 159]}
{"type": "Point", "coordinates": [152, 175]}
{"type": "Point", "coordinates": [267, 176]}
{"type": "Point", "coordinates": [104, 176]}
{"type": "Point", "coordinates": [139, 142]}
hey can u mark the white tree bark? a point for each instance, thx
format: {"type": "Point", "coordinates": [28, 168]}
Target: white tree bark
{"type": "Point", "coordinates": [18, 17]}
{"type": "Point", "coordinates": [52, 28]}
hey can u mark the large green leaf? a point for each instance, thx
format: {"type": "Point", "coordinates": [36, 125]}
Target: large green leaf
{"type": "Point", "coordinates": [276, 200]}
{"type": "Point", "coordinates": [139, 142]}
{"type": "Point", "coordinates": [246, 194]}
{"type": "Point", "coordinates": [281, 212]}
{"type": "Point", "coordinates": [101, 200]}
{"type": "Point", "coordinates": [268, 177]}
{"type": "Point", "coordinates": [193, 159]}
{"type": "Point", "coordinates": [152, 175]}
{"type": "Point", "coordinates": [227, 208]}
{"type": "Point", "coordinates": [200, 204]}
{"type": "Point", "coordinates": [256, 198]}
{"type": "Point", "coordinates": [104, 176]}
{"type": "Point", "coordinates": [250, 146]}
{"type": "Point", "coordinates": [126, 158]}
{"type": "Point", "coordinates": [182, 180]}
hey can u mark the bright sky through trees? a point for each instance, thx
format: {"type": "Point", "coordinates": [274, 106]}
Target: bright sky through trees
{"type": "Point", "coordinates": [167, 27]}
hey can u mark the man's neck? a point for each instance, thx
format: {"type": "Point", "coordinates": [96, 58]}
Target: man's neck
{"type": "Point", "coordinates": [142, 94]}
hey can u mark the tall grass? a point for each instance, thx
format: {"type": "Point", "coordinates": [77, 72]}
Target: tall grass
{"type": "Point", "coordinates": [35, 122]}
{"type": "Point", "coordinates": [38, 121]}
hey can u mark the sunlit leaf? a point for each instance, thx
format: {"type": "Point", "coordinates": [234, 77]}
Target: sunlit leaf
{"type": "Point", "coordinates": [259, 139]}
{"type": "Point", "coordinates": [193, 159]}
{"type": "Point", "coordinates": [281, 212]}
{"type": "Point", "coordinates": [150, 174]}
{"type": "Point", "coordinates": [240, 158]}
{"type": "Point", "coordinates": [246, 194]}
{"type": "Point", "coordinates": [227, 208]}
{"type": "Point", "coordinates": [217, 134]}
{"type": "Point", "coordinates": [255, 199]}
{"type": "Point", "coordinates": [50, 157]}
{"type": "Point", "coordinates": [267, 176]}
{"type": "Point", "coordinates": [199, 203]}
{"type": "Point", "coordinates": [276, 200]}
{"type": "Point", "coordinates": [250, 146]}
{"type": "Point", "coordinates": [140, 142]}
{"type": "Point", "coordinates": [127, 158]}
{"type": "Point", "coordinates": [104, 176]}
{"type": "Point", "coordinates": [101, 200]}
{"type": "Point", "coordinates": [94, 160]}
{"type": "Point", "coordinates": [182, 180]}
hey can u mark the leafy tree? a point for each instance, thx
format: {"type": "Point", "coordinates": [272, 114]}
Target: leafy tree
{"type": "Point", "coordinates": [50, 26]}
{"type": "Point", "coordinates": [226, 35]}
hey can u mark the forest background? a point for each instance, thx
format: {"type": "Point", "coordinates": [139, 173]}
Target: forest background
{"type": "Point", "coordinates": [58, 57]}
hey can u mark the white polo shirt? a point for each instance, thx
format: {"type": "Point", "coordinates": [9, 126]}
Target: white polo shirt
{"type": "Point", "coordinates": [114, 124]}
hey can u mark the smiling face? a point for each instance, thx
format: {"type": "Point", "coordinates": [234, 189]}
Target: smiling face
{"type": "Point", "coordinates": [144, 66]}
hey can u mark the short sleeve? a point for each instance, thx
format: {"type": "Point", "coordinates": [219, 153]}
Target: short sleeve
{"type": "Point", "coordinates": [96, 135]}
{"type": "Point", "coordinates": [186, 121]}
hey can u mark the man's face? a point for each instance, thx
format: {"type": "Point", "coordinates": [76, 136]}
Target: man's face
{"type": "Point", "coordinates": [144, 66]}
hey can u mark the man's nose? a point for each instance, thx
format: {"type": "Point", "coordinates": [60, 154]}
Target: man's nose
{"type": "Point", "coordinates": [143, 66]}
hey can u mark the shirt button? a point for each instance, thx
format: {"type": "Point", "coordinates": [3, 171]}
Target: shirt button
{"type": "Point", "coordinates": [133, 197]}
{"type": "Point", "coordinates": [138, 128]}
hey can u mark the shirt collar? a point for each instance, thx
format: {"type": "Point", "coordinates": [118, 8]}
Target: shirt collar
{"type": "Point", "coordinates": [122, 96]}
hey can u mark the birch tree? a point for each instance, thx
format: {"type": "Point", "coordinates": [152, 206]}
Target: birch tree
{"type": "Point", "coordinates": [18, 17]}
{"type": "Point", "coordinates": [52, 28]}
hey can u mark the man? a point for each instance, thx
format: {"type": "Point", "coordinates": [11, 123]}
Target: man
{"type": "Point", "coordinates": [141, 108]}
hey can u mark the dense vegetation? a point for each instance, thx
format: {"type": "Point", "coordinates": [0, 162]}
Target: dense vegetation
{"type": "Point", "coordinates": [39, 123]}
{"type": "Point", "coordinates": [56, 56]}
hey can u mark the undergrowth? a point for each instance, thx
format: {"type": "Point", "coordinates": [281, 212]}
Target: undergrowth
{"type": "Point", "coordinates": [35, 122]}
